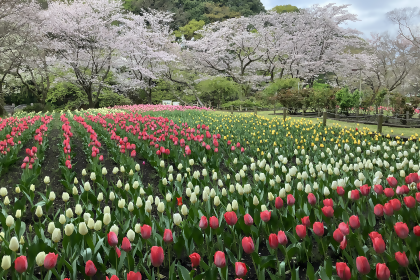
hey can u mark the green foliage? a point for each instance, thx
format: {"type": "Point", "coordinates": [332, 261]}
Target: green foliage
{"type": "Point", "coordinates": [218, 12]}
{"type": "Point", "coordinates": [285, 9]}
{"type": "Point", "coordinates": [109, 99]}
{"type": "Point", "coordinates": [218, 89]}
{"type": "Point", "coordinates": [66, 96]}
{"type": "Point", "coordinates": [249, 102]}
{"type": "Point", "coordinates": [280, 84]}
{"type": "Point", "coordinates": [347, 100]}
{"type": "Point", "coordinates": [321, 97]}
{"type": "Point", "coordinates": [320, 86]}
{"type": "Point", "coordinates": [189, 30]}
{"type": "Point", "coordinates": [186, 10]}
{"type": "Point", "coordinates": [37, 107]}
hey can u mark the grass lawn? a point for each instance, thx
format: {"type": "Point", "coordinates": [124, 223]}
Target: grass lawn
{"type": "Point", "coordinates": [393, 131]}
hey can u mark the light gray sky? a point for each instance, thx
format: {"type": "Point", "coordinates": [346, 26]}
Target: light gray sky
{"type": "Point", "coordinates": [371, 13]}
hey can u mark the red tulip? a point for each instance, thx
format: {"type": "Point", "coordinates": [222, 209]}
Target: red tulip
{"type": "Point", "coordinates": [340, 191]}
{"type": "Point", "coordinates": [50, 260]}
{"type": "Point", "coordinates": [301, 231]}
{"type": "Point", "coordinates": [21, 264]}
{"type": "Point", "coordinates": [378, 189]}
{"type": "Point", "coordinates": [240, 269]}
{"type": "Point", "coordinates": [378, 210]}
{"type": "Point", "coordinates": [388, 210]}
{"type": "Point", "coordinates": [179, 201]}
{"type": "Point", "coordinates": [418, 197]}
{"type": "Point", "coordinates": [230, 218]}
{"type": "Point", "coordinates": [328, 202]}
{"type": "Point", "coordinates": [126, 245]}
{"type": "Point", "coordinates": [134, 275]}
{"type": "Point", "coordinates": [156, 256]}
{"type": "Point", "coordinates": [203, 222]}
{"type": "Point", "coordinates": [396, 204]}
{"type": "Point", "coordinates": [354, 195]}
{"type": "Point", "coordinates": [410, 201]}
{"type": "Point", "coordinates": [378, 245]}
{"type": "Point", "coordinates": [305, 221]}
{"type": "Point", "coordinates": [374, 235]}
{"type": "Point", "coordinates": [146, 231]}
{"type": "Point", "coordinates": [90, 268]}
{"type": "Point", "coordinates": [168, 236]}
{"type": "Point", "coordinates": [343, 271]}
{"type": "Point", "coordinates": [265, 216]}
{"type": "Point", "coordinates": [392, 182]}
{"type": "Point", "coordinates": [401, 258]}
{"type": "Point", "coordinates": [290, 200]}
{"type": "Point", "coordinates": [318, 228]}
{"type": "Point", "coordinates": [338, 235]}
{"type": "Point", "coordinates": [282, 238]}
{"type": "Point", "coordinates": [412, 177]}
{"type": "Point", "coordinates": [354, 222]}
{"type": "Point", "coordinates": [248, 220]}
{"type": "Point", "coordinates": [416, 230]}
{"type": "Point", "coordinates": [403, 190]}
{"type": "Point", "coordinates": [118, 251]}
{"type": "Point", "coordinates": [214, 222]}
{"type": "Point", "coordinates": [219, 259]}
{"type": "Point", "coordinates": [279, 202]}
{"type": "Point", "coordinates": [362, 265]}
{"type": "Point", "coordinates": [248, 245]}
{"type": "Point", "coordinates": [389, 192]}
{"type": "Point", "coordinates": [195, 259]}
{"type": "Point", "coordinates": [365, 190]}
{"type": "Point", "coordinates": [401, 229]}
{"type": "Point", "coordinates": [311, 199]}
{"type": "Point", "coordinates": [112, 239]}
{"type": "Point", "coordinates": [113, 277]}
{"type": "Point", "coordinates": [382, 271]}
{"type": "Point", "coordinates": [344, 228]}
{"type": "Point", "coordinates": [273, 241]}
{"type": "Point", "coordinates": [328, 211]}
{"type": "Point", "coordinates": [343, 243]}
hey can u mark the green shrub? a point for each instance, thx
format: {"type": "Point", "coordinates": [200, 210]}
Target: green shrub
{"type": "Point", "coordinates": [110, 99]}
{"type": "Point", "coordinates": [37, 107]}
{"type": "Point", "coordinates": [347, 100]}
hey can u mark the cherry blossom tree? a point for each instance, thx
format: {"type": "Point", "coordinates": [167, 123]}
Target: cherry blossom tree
{"type": "Point", "coordinates": [145, 47]}
{"type": "Point", "coordinates": [234, 48]}
{"type": "Point", "coordinates": [86, 39]}
{"type": "Point", "coordinates": [394, 58]}
{"type": "Point", "coordinates": [16, 19]}
{"type": "Point", "coordinates": [408, 25]}
{"type": "Point", "coordinates": [302, 45]}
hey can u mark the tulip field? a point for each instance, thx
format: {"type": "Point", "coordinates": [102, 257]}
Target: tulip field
{"type": "Point", "coordinates": [173, 192]}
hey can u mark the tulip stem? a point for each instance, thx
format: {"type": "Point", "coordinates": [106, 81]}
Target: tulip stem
{"type": "Point", "coordinates": [256, 270]}
{"type": "Point", "coordinates": [323, 248]}
{"type": "Point", "coordinates": [158, 275]}
{"type": "Point", "coordinates": [412, 256]}
{"type": "Point", "coordinates": [116, 265]}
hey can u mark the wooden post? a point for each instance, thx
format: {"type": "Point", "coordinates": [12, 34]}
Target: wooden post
{"type": "Point", "coordinates": [380, 120]}
{"type": "Point", "coordinates": [240, 108]}
{"type": "Point", "coordinates": [336, 113]}
{"type": "Point", "coordinates": [324, 117]}
{"type": "Point", "coordinates": [255, 110]}
{"type": "Point", "coordinates": [303, 110]}
{"type": "Point", "coordinates": [231, 109]}
{"type": "Point", "coordinates": [284, 114]}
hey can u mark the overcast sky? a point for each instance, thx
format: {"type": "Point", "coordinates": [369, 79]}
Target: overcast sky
{"type": "Point", "coordinates": [371, 13]}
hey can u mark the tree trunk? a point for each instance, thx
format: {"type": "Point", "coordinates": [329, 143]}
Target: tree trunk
{"type": "Point", "coordinates": [149, 96]}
